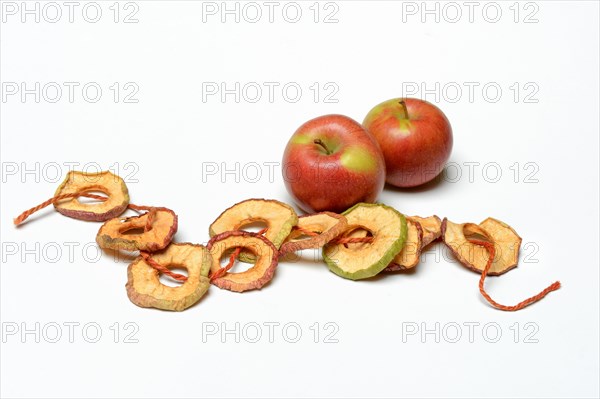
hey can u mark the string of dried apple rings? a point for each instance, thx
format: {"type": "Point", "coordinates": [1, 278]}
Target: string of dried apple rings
{"type": "Point", "coordinates": [356, 234]}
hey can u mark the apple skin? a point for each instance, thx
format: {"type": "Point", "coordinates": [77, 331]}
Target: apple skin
{"type": "Point", "coordinates": [353, 171]}
{"type": "Point", "coordinates": [415, 149]}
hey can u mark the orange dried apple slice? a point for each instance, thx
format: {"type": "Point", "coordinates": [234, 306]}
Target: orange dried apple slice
{"type": "Point", "coordinates": [325, 225]}
{"type": "Point", "coordinates": [506, 242]}
{"type": "Point", "coordinates": [359, 261]}
{"type": "Point", "coordinates": [501, 244]}
{"type": "Point", "coordinates": [410, 254]}
{"type": "Point", "coordinates": [145, 289]}
{"type": "Point", "coordinates": [432, 228]}
{"type": "Point", "coordinates": [258, 275]}
{"type": "Point", "coordinates": [280, 218]}
{"type": "Point", "coordinates": [117, 233]}
{"type": "Point", "coordinates": [106, 182]}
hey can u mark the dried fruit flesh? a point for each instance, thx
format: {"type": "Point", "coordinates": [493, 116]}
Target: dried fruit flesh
{"type": "Point", "coordinates": [106, 182]}
{"type": "Point", "coordinates": [326, 226]}
{"type": "Point", "coordinates": [410, 254]}
{"type": "Point", "coordinates": [145, 289]}
{"type": "Point", "coordinates": [432, 228]}
{"type": "Point", "coordinates": [116, 233]}
{"type": "Point", "coordinates": [506, 242]}
{"type": "Point", "coordinates": [263, 250]}
{"type": "Point", "coordinates": [364, 260]}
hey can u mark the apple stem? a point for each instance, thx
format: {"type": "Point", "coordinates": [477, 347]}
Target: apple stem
{"type": "Point", "coordinates": [320, 142]}
{"type": "Point", "coordinates": [403, 104]}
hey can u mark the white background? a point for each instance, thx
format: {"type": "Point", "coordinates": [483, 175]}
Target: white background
{"type": "Point", "coordinates": [372, 53]}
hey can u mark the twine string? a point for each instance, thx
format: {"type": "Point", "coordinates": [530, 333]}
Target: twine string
{"type": "Point", "coordinates": [162, 269]}
{"type": "Point", "coordinates": [492, 254]}
{"type": "Point", "coordinates": [21, 218]}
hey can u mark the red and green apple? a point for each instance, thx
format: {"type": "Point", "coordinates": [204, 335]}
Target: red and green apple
{"type": "Point", "coordinates": [415, 137]}
{"type": "Point", "coordinates": [332, 163]}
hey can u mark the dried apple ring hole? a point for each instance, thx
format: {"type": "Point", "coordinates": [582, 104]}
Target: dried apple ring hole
{"type": "Point", "coordinates": [97, 191]}
{"type": "Point", "coordinates": [355, 237]}
{"type": "Point", "coordinates": [254, 225]}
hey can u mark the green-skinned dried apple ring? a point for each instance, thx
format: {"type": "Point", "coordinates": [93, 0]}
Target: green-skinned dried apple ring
{"type": "Point", "coordinates": [475, 257]}
{"type": "Point", "coordinates": [116, 233]}
{"type": "Point", "coordinates": [258, 275]}
{"type": "Point", "coordinates": [410, 254]}
{"type": "Point", "coordinates": [145, 289]}
{"type": "Point", "coordinates": [432, 228]}
{"type": "Point", "coordinates": [388, 228]}
{"type": "Point", "coordinates": [280, 218]}
{"type": "Point", "coordinates": [327, 226]}
{"type": "Point", "coordinates": [106, 182]}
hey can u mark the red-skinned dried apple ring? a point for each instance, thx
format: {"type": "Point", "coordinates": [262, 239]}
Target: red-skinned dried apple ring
{"type": "Point", "coordinates": [507, 241]}
{"type": "Point", "coordinates": [115, 233]}
{"type": "Point", "coordinates": [145, 289]}
{"type": "Point", "coordinates": [459, 237]}
{"type": "Point", "coordinates": [80, 182]}
{"type": "Point", "coordinates": [280, 218]}
{"type": "Point", "coordinates": [323, 227]}
{"type": "Point", "coordinates": [432, 228]}
{"type": "Point", "coordinates": [258, 275]}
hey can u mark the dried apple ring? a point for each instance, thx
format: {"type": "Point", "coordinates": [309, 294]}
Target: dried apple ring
{"type": "Point", "coordinates": [506, 242]}
{"type": "Point", "coordinates": [80, 182]}
{"type": "Point", "coordinates": [258, 275]}
{"type": "Point", "coordinates": [116, 233]}
{"type": "Point", "coordinates": [358, 261]}
{"type": "Point", "coordinates": [321, 227]}
{"type": "Point", "coordinates": [280, 218]}
{"type": "Point", "coordinates": [432, 228]}
{"type": "Point", "coordinates": [500, 245]}
{"type": "Point", "coordinates": [145, 289]}
{"type": "Point", "coordinates": [410, 254]}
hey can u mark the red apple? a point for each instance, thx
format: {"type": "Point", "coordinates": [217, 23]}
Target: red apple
{"type": "Point", "coordinates": [415, 138]}
{"type": "Point", "coordinates": [331, 163]}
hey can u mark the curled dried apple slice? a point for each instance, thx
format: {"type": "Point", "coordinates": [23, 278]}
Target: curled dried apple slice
{"type": "Point", "coordinates": [410, 254]}
{"type": "Point", "coordinates": [507, 242]}
{"type": "Point", "coordinates": [258, 275]}
{"type": "Point", "coordinates": [280, 218]}
{"type": "Point", "coordinates": [145, 289]}
{"type": "Point", "coordinates": [432, 228]}
{"type": "Point", "coordinates": [500, 244]}
{"type": "Point", "coordinates": [319, 227]}
{"type": "Point", "coordinates": [80, 182]}
{"type": "Point", "coordinates": [358, 261]}
{"type": "Point", "coordinates": [131, 234]}
{"type": "Point", "coordinates": [459, 237]}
